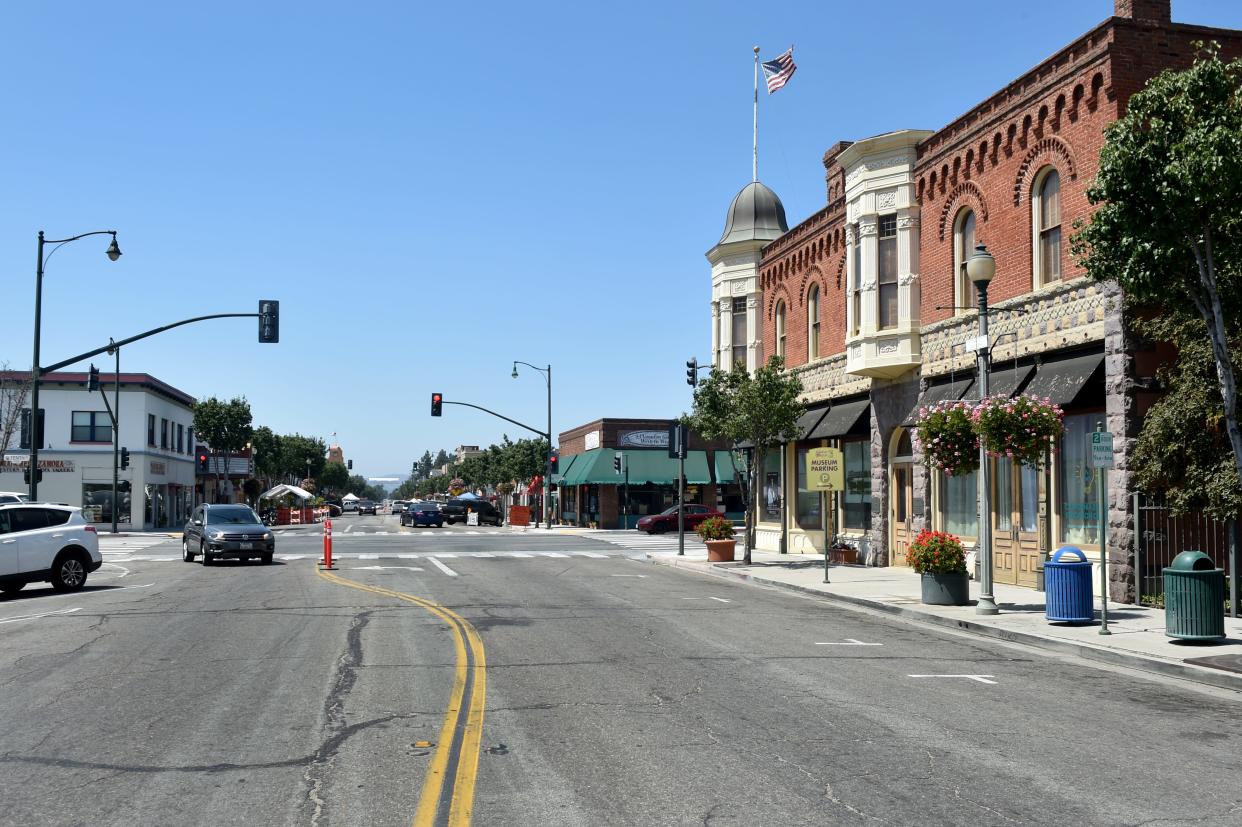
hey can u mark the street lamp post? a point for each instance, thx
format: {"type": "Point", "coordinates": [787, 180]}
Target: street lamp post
{"type": "Point", "coordinates": [547, 471]}
{"type": "Point", "coordinates": [36, 431]}
{"type": "Point", "coordinates": [981, 267]}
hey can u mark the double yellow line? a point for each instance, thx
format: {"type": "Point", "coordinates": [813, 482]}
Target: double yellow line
{"type": "Point", "coordinates": [457, 752]}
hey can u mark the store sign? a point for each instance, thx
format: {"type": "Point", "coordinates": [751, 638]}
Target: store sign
{"type": "Point", "coordinates": [1102, 449]}
{"type": "Point", "coordinates": [50, 466]}
{"type": "Point", "coordinates": [643, 439]}
{"type": "Point", "coordinates": [592, 440]}
{"type": "Point", "coordinates": [825, 469]}
{"type": "Point", "coordinates": [157, 468]}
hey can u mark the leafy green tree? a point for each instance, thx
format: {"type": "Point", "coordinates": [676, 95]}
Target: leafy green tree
{"type": "Point", "coordinates": [760, 409]}
{"type": "Point", "coordinates": [1168, 226]}
{"type": "Point", "coordinates": [295, 450]}
{"type": "Point", "coordinates": [334, 476]}
{"type": "Point", "coordinates": [441, 459]}
{"type": "Point", "coordinates": [225, 426]}
{"type": "Point", "coordinates": [422, 469]}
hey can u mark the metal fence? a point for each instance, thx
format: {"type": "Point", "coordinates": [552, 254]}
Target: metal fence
{"type": "Point", "coordinates": [1159, 536]}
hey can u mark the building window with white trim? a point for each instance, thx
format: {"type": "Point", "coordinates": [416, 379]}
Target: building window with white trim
{"type": "Point", "coordinates": [812, 320]}
{"type": "Point", "coordinates": [887, 273]}
{"type": "Point", "coordinates": [856, 276]}
{"type": "Point", "coordinates": [91, 426]}
{"type": "Point", "coordinates": [1046, 215]}
{"type": "Point", "coordinates": [739, 331]}
{"type": "Point", "coordinates": [963, 249]}
{"type": "Point", "coordinates": [780, 329]}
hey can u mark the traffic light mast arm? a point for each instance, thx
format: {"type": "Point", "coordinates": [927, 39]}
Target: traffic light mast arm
{"type": "Point", "coordinates": [145, 335]}
{"type": "Point", "coordinates": [501, 416]}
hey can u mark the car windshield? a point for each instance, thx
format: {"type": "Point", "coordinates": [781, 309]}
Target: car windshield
{"type": "Point", "coordinates": [231, 515]}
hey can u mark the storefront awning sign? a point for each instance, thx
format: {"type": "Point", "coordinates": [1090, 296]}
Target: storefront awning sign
{"type": "Point", "coordinates": [825, 469]}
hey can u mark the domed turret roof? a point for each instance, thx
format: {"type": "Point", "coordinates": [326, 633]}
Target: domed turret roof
{"type": "Point", "coordinates": [755, 214]}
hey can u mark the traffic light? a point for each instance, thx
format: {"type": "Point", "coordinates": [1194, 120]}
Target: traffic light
{"type": "Point", "coordinates": [554, 460]}
{"type": "Point", "coordinates": [26, 475]}
{"type": "Point", "coordinates": [616, 463]}
{"type": "Point", "coordinates": [269, 321]}
{"type": "Point", "coordinates": [124, 457]}
{"type": "Point", "coordinates": [436, 401]}
{"type": "Point", "coordinates": [92, 382]}
{"type": "Point", "coordinates": [349, 464]}
{"type": "Point", "coordinates": [692, 372]}
{"type": "Point", "coordinates": [202, 463]}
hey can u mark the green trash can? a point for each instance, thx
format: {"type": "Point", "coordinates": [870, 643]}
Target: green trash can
{"type": "Point", "coordinates": [1194, 598]}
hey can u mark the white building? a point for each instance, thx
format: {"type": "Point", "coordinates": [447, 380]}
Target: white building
{"type": "Point", "coordinates": [156, 424]}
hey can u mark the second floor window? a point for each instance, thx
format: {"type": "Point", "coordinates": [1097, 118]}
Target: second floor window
{"type": "Point", "coordinates": [91, 426]}
{"type": "Point", "coordinates": [780, 329]}
{"type": "Point", "coordinates": [151, 430]}
{"type": "Point", "coordinates": [189, 441]}
{"type": "Point", "coordinates": [812, 319]}
{"type": "Point", "coordinates": [163, 433]}
{"type": "Point", "coordinates": [739, 331]}
{"type": "Point", "coordinates": [1046, 206]}
{"type": "Point", "coordinates": [887, 272]}
{"type": "Point", "coordinates": [180, 439]}
{"type": "Point", "coordinates": [963, 249]}
{"type": "Point", "coordinates": [856, 264]}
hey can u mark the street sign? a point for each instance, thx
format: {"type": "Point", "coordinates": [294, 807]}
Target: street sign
{"type": "Point", "coordinates": [825, 469]}
{"type": "Point", "coordinates": [1101, 449]}
{"type": "Point", "coordinates": [17, 458]}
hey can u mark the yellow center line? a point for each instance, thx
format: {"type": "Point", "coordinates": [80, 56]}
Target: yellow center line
{"type": "Point", "coordinates": [463, 784]}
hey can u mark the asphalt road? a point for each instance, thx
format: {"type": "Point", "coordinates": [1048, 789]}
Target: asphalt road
{"type": "Point", "coordinates": [611, 691]}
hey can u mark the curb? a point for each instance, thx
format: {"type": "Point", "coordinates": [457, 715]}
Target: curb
{"type": "Point", "coordinates": [1212, 677]}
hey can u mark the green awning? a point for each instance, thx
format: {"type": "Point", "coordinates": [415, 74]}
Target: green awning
{"type": "Point", "coordinates": [725, 474]}
{"type": "Point", "coordinates": [559, 479]}
{"type": "Point", "coordinates": [595, 467]}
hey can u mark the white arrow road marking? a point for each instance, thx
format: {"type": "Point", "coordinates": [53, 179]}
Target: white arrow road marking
{"type": "Point", "coordinates": [378, 568]}
{"type": "Point", "coordinates": [849, 641]}
{"type": "Point", "coordinates": [349, 528]}
{"type": "Point", "coordinates": [17, 618]}
{"type": "Point", "coordinates": [442, 567]}
{"type": "Point", "coordinates": [124, 571]}
{"type": "Point", "coordinates": [979, 678]}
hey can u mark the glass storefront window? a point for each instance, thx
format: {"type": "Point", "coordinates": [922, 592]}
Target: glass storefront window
{"type": "Point", "coordinates": [1030, 499]}
{"type": "Point", "coordinates": [97, 502]}
{"type": "Point", "coordinates": [773, 485]}
{"type": "Point", "coordinates": [959, 504]}
{"type": "Point", "coordinates": [1079, 486]}
{"type": "Point", "coordinates": [1002, 496]}
{"type": "Point", "coordinates": [857, 496]}
{"type": "Point", "coordinates": [808, 513]}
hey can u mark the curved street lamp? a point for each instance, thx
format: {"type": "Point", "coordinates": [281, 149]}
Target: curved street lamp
{"type": "Point", "coordinates": [36, 431]}
{"type": "Point", "coordinates": [547, 471]}
{"type": "Point", "coordinates": [980, 268]}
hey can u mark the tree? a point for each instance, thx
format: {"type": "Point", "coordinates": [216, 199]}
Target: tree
{"type": "Point", "coordinates": [296, 450]}
{"type": "Point", "coordinates": [225, 426]}
{"type": "Point", "coordinates": [422, 469]}
{"type": "Point", "coordinates": [14, 391]}
{"type": "Point", "coordinates": [761, 410]}
{"type": "Point", "coordinates": [441, 460]}
{"type": "Point", "coordinates": [334, 476]}
{"type": "Point", "coordinates": [1169, 228]}
{"type": "Point", "coordinates": [266, 446]}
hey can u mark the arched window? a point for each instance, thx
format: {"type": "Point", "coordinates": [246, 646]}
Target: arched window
{"type": "Point", "coordinates": [812, 322]}
{"type": "Point", "coordinates": [780, 329]}
{"type": "Point", "coordinates": [1046, 219]}
{"type": "Point", "coordinates": [963, 248]}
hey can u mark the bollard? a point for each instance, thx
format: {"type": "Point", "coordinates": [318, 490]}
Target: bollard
{"type": "Point", "coordinates": [326, 563]}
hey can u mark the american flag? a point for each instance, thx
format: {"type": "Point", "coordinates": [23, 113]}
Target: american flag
{"type": "Point", "coordinates": [778, 72]}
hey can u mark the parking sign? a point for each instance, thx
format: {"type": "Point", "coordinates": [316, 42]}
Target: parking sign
{"type": "Point", "coordinates": [1101, 449]}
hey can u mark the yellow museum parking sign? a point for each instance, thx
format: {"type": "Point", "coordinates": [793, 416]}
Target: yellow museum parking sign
{"type": "Point", "coordinates": [825, 469]}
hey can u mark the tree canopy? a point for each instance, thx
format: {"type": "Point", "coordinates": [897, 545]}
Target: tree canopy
{"type": "Point", "coordinates": [225, 426]}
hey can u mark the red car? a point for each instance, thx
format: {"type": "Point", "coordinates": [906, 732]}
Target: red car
{"type": "Point", "coordinates": [667, 521]}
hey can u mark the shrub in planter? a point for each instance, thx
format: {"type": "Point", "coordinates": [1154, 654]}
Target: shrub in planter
{"type": "Point", "coordinates": [1022, 428]}
{"type": "Point", "coordinates": [715, 528]}
{"type": "Point", "coordinates": [946, 436]}
{"type": "Point", "coordinates": [935, 552]}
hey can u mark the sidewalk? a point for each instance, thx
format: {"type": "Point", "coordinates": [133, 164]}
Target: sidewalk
{"type": "Point", "coordinates": [1137, 641]}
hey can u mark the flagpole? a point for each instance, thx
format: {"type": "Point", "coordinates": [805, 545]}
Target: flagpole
{"type": "Point", "coordinates": [754, 166]}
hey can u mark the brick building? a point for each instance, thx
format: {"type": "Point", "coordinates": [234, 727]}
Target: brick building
{"type": "Point", "coordinates": [865, 300]}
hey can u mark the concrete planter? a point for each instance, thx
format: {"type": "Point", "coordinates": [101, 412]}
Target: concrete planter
{"type": "Point", "coordinates": [720, 551]}
{"type": "Point", "coordinates": [952, 589]}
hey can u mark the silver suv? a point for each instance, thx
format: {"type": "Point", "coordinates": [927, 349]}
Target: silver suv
{"type": "Point", "coordinates": [40, 542]}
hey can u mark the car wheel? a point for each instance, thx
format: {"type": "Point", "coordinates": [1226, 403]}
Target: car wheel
{"type": "Point", "coordinates": [659, 528]}
{"type": "Point", "coordinates": [69, 573]}
{"type": "Point", "coordinates": [186, 554]}
{"type": "Point", "coordinates": [12, 588]}
{"type": "Point", "coordinates": [267, 559]}
{"type": "Point", "coordinates": [207, 558]}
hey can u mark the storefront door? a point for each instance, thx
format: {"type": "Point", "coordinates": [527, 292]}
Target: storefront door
{"type": "Point", "coordinates": [902, 511]}
{"type": "Point", "coordinates": [1015, 522]}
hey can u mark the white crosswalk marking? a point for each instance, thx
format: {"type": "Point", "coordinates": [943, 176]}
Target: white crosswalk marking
{"type": "Point", "coordinates": [496, 557]}
{"type": "Point", "coordinates": [368, 556]}
{"type": "Point", "coordinates": [113, 543]}
{"type": "Point", "coordinates": [591, 554]}
{"type": "Point", "coordinates": [637, 541]}
{"type": "Point", "coordinates": [552, 554]}
{"type": "Point", "coordinates": [517, 554]}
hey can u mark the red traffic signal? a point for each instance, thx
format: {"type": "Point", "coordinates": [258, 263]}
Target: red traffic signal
{"type": "Point", "coordinates": [437, 400]}
{"type": "Point", "coordinates": [202, 462]}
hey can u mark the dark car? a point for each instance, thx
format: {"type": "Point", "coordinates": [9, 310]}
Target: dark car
{"type": "Point", "coordinates": [455, 511]}
{"type": "Point", "coordinates": [422, 513]}
{"type": "Point", "coordinates": [667, 520]}
{"type": "Point", "coordinates": [366, 507]}
{"type": "Point", "coordinates": [217, 531]}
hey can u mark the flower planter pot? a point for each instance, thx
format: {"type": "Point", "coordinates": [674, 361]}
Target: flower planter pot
{"type": "Point", "coordinates": [843, 556]}
{"type": "Point", "coordinates": [952, 589]}
{"type": "Point", "coordinates": [720, 551]}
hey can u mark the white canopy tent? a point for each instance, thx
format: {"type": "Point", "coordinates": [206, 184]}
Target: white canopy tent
{"type": "Point", "coordinates": [350, 498]}
{"type": "Point", "coordinates": [282, 489]}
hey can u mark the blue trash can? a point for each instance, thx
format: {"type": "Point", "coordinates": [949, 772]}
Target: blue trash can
{"type": "Point", "coordinates": [1067, 579]}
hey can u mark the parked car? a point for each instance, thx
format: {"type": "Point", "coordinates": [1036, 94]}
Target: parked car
{"type": "Point", "coordinates": [214, 532]}
{"type": "Point", "coordinates": [40, 542]}
{"type": "Point", "coordinates": [366, 507]}
{"type": "Point", "coordinates": [667, 520]}
{"type": "Point", "coordinates": [455, 511]}
{"type": "Point", "coordinates": [12, 497]}
{"type": "Point", "coordinates": [398, 506]}
{"type": "Point", "coordinates": [422, 513]}
{"type": "Point", "coordinates": [349, 505]}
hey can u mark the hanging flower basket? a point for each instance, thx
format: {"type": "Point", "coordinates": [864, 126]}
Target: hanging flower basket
{"type": "Point", "coordinates": [945, 435]}
{"type": "Point", "coordinates": [1022, 428]}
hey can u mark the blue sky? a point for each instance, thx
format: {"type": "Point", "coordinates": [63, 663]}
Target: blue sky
{"type": "Point", "coordinates": [435, 190]}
